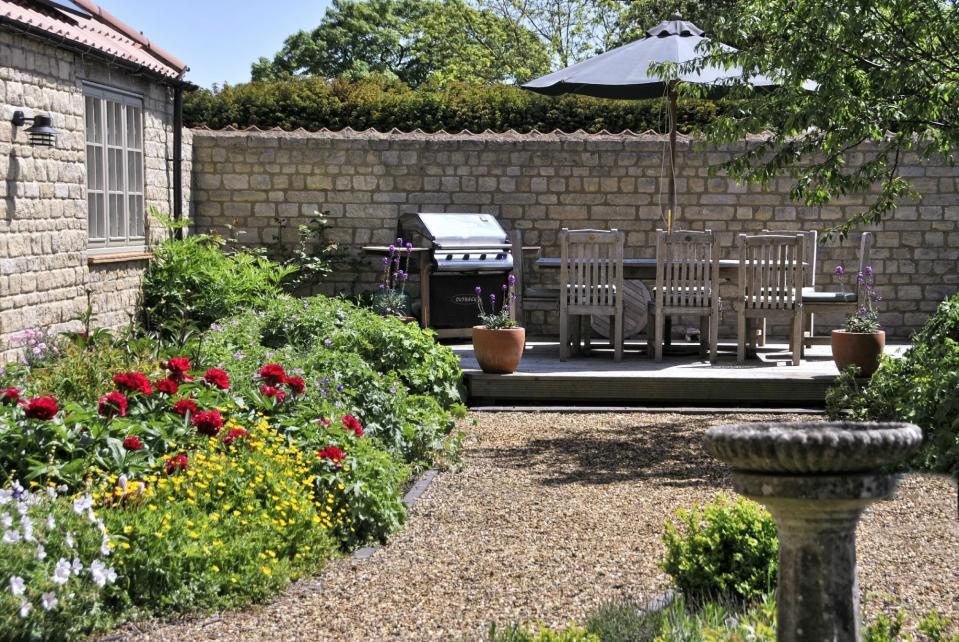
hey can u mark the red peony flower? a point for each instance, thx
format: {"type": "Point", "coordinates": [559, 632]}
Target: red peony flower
{"type": "Point", "coordinates": [218, 378]}
{"type": "Point", "coordinates": [272, 374]}
{"type": "Point", "coordinates": [183, 406]}
{"type": "Point", "coordinates": [179, 367]}
{"type": "Point", "coordinates": [112, 404]}
{"type": "Point", "coordinates": [273, 391]}
{"type": "Point", "coordinates": [10, 396]}
{"type": "Point", "coordinates": [208, 422]}
{"type": "Point", "coordinates": [234, 434]}
{"type": "Point", "coordinates": [334, 454]}
{"type": "Point", "coordinates": [132, 442]}
{"type": "Point", "coordinates": [133, 382]}
{"type": "Point", "coordinates": [43, 408]}
{"type": "Point", "coordinates": [167, 386]}
{"type": "Point", "coordinates": [352, 423]}
{"type": "Point", "coordinates": [296, 384]}
{"type": "Point", "coordinates": [175, 463]}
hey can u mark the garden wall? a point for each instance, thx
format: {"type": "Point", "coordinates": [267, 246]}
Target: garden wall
{"type": "Point", "coordinates": [542, 183]}
{"type": "Point", "coordinates": [46, 272]}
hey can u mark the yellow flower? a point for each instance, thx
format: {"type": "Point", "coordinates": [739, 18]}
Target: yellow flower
{"type": "Point", "coordinates": [266, 570]}
{"type": "Point", "coordinates": [215, 568]}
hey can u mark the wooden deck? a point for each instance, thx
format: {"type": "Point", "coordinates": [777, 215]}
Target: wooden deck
{"type": "Point", "coordinates": [637, 380]}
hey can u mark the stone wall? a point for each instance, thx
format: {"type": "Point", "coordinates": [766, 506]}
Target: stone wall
{"type": "Point", "coordinates": [542, 183]}
{"type": "Point", "coordinates": [46, 273]}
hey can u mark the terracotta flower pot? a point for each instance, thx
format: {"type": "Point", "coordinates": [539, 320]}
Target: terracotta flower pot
{"type": "Point", "coordinates": [862, 349]}
{"type": "Point", "coordinates": [498, 351]}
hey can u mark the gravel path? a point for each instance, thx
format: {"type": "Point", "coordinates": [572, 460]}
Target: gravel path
{"type": "Point", "coordinates": [555, 514]}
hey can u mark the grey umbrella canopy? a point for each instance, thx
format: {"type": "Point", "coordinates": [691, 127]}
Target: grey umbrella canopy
{"type": "Point", "coordinates": [624, 73]}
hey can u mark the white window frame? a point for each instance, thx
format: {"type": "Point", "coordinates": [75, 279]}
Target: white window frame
{"type": "Point", "coordinates": [116, 212]}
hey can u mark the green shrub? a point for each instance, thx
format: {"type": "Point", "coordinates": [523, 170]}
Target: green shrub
{"type": "Point", "coordinates": [623, 622]}
{"type": "Point", "coordinates": [725, 548]}
{"type": "Point", "coordinates": [354, 358]}
{"type": "Point", "coordinates": [922, 387]}
{"type": "Point", "coordinates": [514, 633]}
{"type": "Point", "coordinates": [194, 281]}
{"type": "Point", "coordinates": [315, 103]}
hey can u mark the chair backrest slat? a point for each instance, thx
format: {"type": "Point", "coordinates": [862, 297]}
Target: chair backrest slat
{"type": "Point", "coordinates": [687, 268]}
{"type": "Point", "coordinates": [810, 255]}
{"type": "Point", "coordinates": [771, 271]}
{"type": "Point", "coordinates": [591, 267]}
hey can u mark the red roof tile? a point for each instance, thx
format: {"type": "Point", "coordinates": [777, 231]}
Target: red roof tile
{"type": "Point", "coordinates": [92, 27]}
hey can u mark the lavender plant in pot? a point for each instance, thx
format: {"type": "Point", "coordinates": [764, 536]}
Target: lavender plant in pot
{"type": "Point", "coordinates": [392, 299]}
{"type": "Point", "coordinates": [861, 340]}
{"type": "Point", "coordinates": [498, 343]}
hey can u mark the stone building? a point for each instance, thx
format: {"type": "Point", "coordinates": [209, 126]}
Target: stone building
{"type": "Point", "coordinates": [75, 229]}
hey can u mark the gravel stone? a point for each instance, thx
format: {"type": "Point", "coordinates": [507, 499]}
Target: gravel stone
{"type": "Point", "coordinates": [555, 514]}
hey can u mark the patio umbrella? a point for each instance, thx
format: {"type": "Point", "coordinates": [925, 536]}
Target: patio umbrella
{"type": "Point", "coordinates": [624, 73]}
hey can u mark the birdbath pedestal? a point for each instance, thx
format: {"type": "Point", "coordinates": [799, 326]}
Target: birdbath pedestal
{"type": "Point", "coordinates": [815, 479]}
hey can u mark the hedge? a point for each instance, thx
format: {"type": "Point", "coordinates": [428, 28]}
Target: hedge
{"type": "Point", "coordinates": [314, 103]}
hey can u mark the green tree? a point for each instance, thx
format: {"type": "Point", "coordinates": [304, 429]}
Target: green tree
{"type": "Point", "coordinates": [628, 20]}
{"type": "Point", "coordinates": [886, 72]}
{"type": "Point", "coordinates": [411, 40]}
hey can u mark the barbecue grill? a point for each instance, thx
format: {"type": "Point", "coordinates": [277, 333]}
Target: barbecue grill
{"type": "Point", "coordinates": [466, 250]}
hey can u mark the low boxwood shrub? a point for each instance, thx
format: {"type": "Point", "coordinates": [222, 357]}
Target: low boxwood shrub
{"type": "Point", "coordinates": [921, 387]}
{"type": "Point", "coordinates": [723, 549]}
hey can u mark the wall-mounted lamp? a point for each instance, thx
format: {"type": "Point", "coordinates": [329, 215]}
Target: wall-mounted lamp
{"type": "Point", "coordinates": [42, 133]}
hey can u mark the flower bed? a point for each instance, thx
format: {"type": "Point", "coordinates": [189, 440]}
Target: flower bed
{"type": "Point", "coordinates": [212, 486]}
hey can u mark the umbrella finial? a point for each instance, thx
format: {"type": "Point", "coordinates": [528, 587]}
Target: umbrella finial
{"type": "Point", "coordinates": [675, 15]}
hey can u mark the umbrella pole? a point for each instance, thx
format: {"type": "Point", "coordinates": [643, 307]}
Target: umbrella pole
{"type": "Point", "coordinates": [671, 212]}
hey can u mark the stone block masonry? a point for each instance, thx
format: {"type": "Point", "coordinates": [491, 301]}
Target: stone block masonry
{"type": "Point", "coordinates": [541, 183]}
{"type": "Point", "coordinates": [46, 279]}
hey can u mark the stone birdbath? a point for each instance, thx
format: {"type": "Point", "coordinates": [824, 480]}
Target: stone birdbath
{"type": "Point", "coordinates": [815, 479]}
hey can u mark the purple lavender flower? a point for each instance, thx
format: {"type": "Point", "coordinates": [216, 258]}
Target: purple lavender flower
{"type": "Point", "coordinates": [478, 290]}
{"type": "Point", "coordinates": [392, 391]}
{"type": "Point", "coordinates": [327, 342]}
{"type": "Point", "coordinates": [392, 250]}
{"type": "Point", "coordinates": [340, 388]}
{"type": "Point", "coordinates": [409, 247]}
{"type": "Point", "coordinates": [386, 261]}
{"type": "Point", "coordinates": [326, 380]}
{"type": "Point", "coordinates": [492, 298]}
{"type": "Point", "coordinates": [399, 241]}
{"type": "Point", "coordinates": [511, 279]}
{"type": "Point", "coordinates": [868, 270]}
{"type": "Point", "coordinates": [840, 270]}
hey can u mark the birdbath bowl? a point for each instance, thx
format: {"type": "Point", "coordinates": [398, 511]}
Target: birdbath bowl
{"type": "Point", "coordinates": [816, 479]}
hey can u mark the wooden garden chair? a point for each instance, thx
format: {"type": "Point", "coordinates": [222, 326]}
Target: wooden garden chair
{"type": "Point", "coordinates": [770, 284]}
{"type": "Point", "coordinates": [809, 279]}
{"type": "Point", "coordinates": [687, 282]}
{"type": "Point", "coordinates": [846, 301]}
{"type": "Point", "coordinates": [591, 282]}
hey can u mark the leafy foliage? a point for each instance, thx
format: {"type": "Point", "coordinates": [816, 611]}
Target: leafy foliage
{"type": "Point", "coordinates": [725, 548]}
{"type": "Point", "coordinates": [921, 387]}
{"type": "Point", "coordinates": [383, 104]}
{"type": "Point", "coordinates": [513, 633]}
{"type": "Point", "coordinates": [411, 40]}
{"type": "Point", "coordinates": [886, 72]}
{"type": "Point", "coordinates": [195, 281]}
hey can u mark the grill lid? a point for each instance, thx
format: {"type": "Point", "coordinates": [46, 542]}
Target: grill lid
{"type": "Point", "coordinates": [450, 230]}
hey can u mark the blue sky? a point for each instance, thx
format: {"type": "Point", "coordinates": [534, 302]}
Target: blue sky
{"type": "Point", "coordinates": [218, 39]}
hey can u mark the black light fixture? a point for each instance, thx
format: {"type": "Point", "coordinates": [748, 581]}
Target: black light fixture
{"type": "Point", "coordinates": [42, 133]}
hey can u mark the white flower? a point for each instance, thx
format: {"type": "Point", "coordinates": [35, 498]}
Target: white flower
{"type": "Point", "coordinates": [11, 537]}
{"type": "Point", "coordinates": [22, 508]}
{"type": "Point", "coordinates": [27, 525]}
{"type": "Point", "coordinates": [61, 574]}
{"type": "Point", "coordinates": [98, 571]}
{"type": "Point", "coordinates": [48, 600]}
{"type": "Point", "coordinates": [77, 566]}
{"type": "Point", "coordinates": [51, 523]}
{"type": "Point", "coordinates": [81, 504]}
{"type": "Point", "coordinates": [51, 492]}
{"type": "Point", "coordinates": [105, 549]}
{"type": "Point", "coordinates": [25, 608]}
{"type": "Point", "coordinates": [41, 553]}
{"type": "Point", "coordinates": [5, 496]}
{"type": "Point", "coordinates": [123, 482]}
{"type": "Point", "coordinates": [17, 585]}
{"type": "Point", "coordinates": [68, 538]}
{"type": "Point", "coordinates": [6, 520]}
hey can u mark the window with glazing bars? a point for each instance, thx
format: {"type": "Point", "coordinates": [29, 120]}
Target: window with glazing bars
{"type": "Point", "coordinates": [114, 145]}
